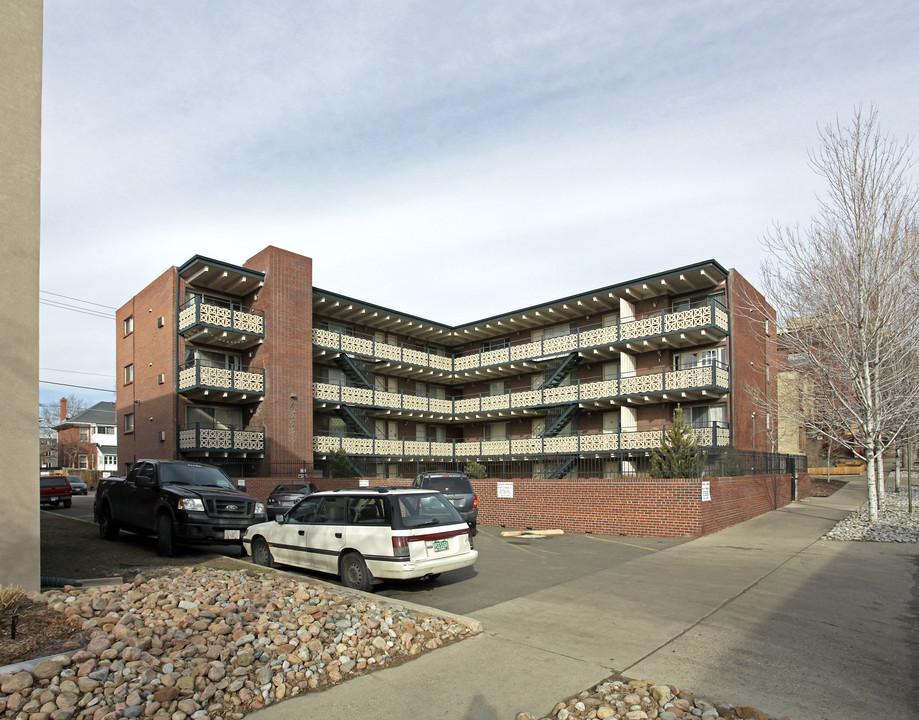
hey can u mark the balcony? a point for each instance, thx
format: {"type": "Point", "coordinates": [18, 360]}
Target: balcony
{"type": "Point", "coordinates": [200, 381]}
{"type": "Point", "coordinates": [703, 323]}
{"type": "Point", "coordinates": [618, 443]}
{"type": "Point", "coordinates": [221, 440]}
{"type": "Point", "coordinates": [704, 381]}
{"type": "Point", "coordinates": [215, 321]}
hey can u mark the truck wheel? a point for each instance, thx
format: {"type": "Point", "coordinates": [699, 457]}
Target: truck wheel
{"type": "Point", "coordinates": [68, 503]}
{"type": "Point", "coordinates": [108, 528]}
{"type": "Point", "coordinates": [354, 572]}
{"type": "Point", "coordinates": [261, 553]}
{"type": "Point", "coordinates": [165, 542]}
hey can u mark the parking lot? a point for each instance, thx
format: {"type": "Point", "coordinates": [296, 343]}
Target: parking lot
{"type": "Point", "coordinates": [507, 568]}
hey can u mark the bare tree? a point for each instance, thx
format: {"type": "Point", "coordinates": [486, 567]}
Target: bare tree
{"type": "Point", "coordinates": [845, 290]}
{"type": "Point", "coordinates": [49, 414]}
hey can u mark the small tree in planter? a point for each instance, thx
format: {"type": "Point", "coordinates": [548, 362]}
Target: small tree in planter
{"type": "Point", "coordinates": [475, 471]}
{"type": "Point", "coordinates": [339, 467]}
{"type": "Point", "coordinates": [678, 455]}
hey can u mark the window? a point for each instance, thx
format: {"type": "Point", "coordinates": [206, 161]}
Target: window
{"type": "Point", "coordinates": [129, 423]}
{"type": "Point", "coordinates": [84, 434]}
{"type": "Point", "coordinates": [210, 358]}
{"type": "Point", "coordinates": [489, 345]}
{"type": "Point", "coordinates": [429, 433]}
{"type": "Point", "coordinates": [496, 387]}
{"type": "Point", "coordinates": [128, 325]}
{"type": "Point", "coordinates": [687, 303]}
{"type": "Point", "coordinates": [128, 374]}
{"type": "Point", "coordinates": [222, 418]}
{"type": "Point", "coordinates": [700, 358]}
{"type": "Point", "coordinates": [106, 429]}
{"type": "Point", "coordinates": [83, 462]}
{"type": "Point", "coordinates": [337, 427]}
{"type": "Point", "coordinates": [496, 431]}
{"type": "Point", "coordinates": [110, 460]}
{"type": "Point", "coordinates": [705, 415]}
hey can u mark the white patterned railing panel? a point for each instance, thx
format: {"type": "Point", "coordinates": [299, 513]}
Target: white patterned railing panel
{"type": "Point", "coordinates": [215, 439]}
{"type": "Point", "coordinates": [389, 447]}
{"type": "Point", "coordinates": [703, 436]}
{"type": "Point", "coordinates": [358, 446]}
{"type": "Point", "coordinates": [466, 362]}
{"type": "Point", "coordinates": [248, 381]}
{"type": "Point", "coordinates": [527, 398]}
{"type": "Point", "coordinates": [444, 407]}
{"type": "Point", "coordinates": [327, 339]}
{"type": "Point", "coordinates": [439, 362]}
{"type": "Point", "coordinates": [642, 439]}
{"type": "Point", "coordinates": [722, 378]}
{"type": "Point", "coordinates": [324, 391]}
{"type": "Point", "coordinates": [602, 389]}
{"type": "Point", "coordinates": [187, 317]}
{"type": "Point", "coordinates": [188, 378]}
{"type": "Point", "coordinates": [641, 384]}
{"type": "Point", "coordinates": [526, 446]}
{"type": "Point", "coordinates": [441, 449]}
{"type": "Point", "coordinates": [599, 336]}
{"type": "Point", "coordinates": [721, 319]}
{"type": "Point", "coordinates": [415, 357]}
{"type": "Point", "coordinates": [496, 357]}
{"type": "Point", "coordinates": [686, 319]}
{"type": "Point", "coordinates": [496, 447]}
{"type": "Point", "coordinates": [467, 405]}
{"type": "Point", "coordinates": [564, 343]}
{"type": "Point", "coordinates": [253, 440]}
{"type": "Point", "coordinates": [525, 351]}
{"type": "Point", "coordinates": [564, 444]}
{"type": "Point", "coordinates": [387, 351]}
{"type": "Point", "coordinates": [387, 399]}
{"type": "Point", "coordinates": [724, 437]}
{"type": "Point", "coordinates": [414, 402]}
{"type": "Point", "coordinates": [214, 315]}
{"type": "Point", "coordinates": [355, 395]}
{"type": "Point", "coordinates": [468, 449]}
{"type": "Point", "coordinates": [215, 377]}
{"type": "Point", "coordinates": [600, 443]}
{"type": "Point", "coordinates": [689, 378]}
{"type": "Point", "coordinates": [248, 322]}
{"type": "Point", "coordinates": [417, 447]}
{"type": "Point", "coordinates": [496, 402]}
{"type": "Point", "coordinates": [566, 394]}
{"type": "Point", "coordinates": [187, 439]}
{"type": "Point", "coordinates": [641, 328]}
{"type": "Point", "coordinates": [324, 444]}
{"type": "Point", "coordinates": [356, 345]}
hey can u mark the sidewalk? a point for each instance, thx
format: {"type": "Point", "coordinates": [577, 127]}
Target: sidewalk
{"type": "Point", "coordinates": [763, 614]}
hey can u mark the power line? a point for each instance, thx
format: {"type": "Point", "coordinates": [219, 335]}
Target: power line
{"type": "Point", "coordinates": [74, 308]}
{"type": "Point", "coordinates": [82, 387]}
{"type": "Point", "coordinates": [76, 372]}
{"type": "Point", "coordinates": [85, 302]}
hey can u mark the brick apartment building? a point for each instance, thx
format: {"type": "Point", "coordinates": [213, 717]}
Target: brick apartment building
{"type": "Point", "coordinates": [255, 367]}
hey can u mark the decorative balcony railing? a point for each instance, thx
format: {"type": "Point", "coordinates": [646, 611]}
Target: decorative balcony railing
{"type": "Point", "coordinates": [703, 377]}
{"type": "Point", "coordinates": [199, 437]}
{"type": "Point", "coordinates": [226, 323]}
{"type": "Point", "coordinates": [709, 315]}
{"type": "Point", "coordinates": [236, 383]}
{"type": "Point", "coordinates": [716, 434]}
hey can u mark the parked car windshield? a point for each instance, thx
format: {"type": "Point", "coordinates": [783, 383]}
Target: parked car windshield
{"type": "Point", "coordinates": [202, 475]}
{"type": "Point", "coordinates": [450, 485]}
{"type": "Point", "coordinates": [423, 509]}
{"type": "Point", "coordinates": [291, 488]}
{"type": "Point", "coordinates": [52, 481]}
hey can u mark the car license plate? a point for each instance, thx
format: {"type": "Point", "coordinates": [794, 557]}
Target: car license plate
{"type": "Point", "coordinates": [457, 502]}
{"type": "Point", "coordinates": [54, 499]}
{"type": "Point", "coordinates": [440, 545]}
{"type": "Point", "coordinates": [231, 534]}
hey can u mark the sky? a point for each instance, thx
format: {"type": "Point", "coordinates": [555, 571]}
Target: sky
{"type": "Point", "coordinates": [451, 160]}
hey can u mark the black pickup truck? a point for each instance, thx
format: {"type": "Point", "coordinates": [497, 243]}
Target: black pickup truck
{"type": "Point", "coordinates": [181, 502]}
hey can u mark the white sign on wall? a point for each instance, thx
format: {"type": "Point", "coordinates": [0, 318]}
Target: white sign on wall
{"type": "Point", "coordinates": [505, 490]}
{"type": "Point", "coordinates": [706, 491]}
{"type": "Point", "coordinates": [363, 482]}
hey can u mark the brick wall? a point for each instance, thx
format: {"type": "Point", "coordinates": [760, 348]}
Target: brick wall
{"type": "Point", "coordinates": [638, 506]}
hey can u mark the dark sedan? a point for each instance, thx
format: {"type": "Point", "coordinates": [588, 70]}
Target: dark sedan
{"type": "Point", "coordinates": [285, 496]}
{"type": "Point", "coordinates": [77, 485]}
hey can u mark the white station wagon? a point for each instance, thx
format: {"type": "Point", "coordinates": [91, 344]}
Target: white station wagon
{"type": "Point", "coordinates": [366, 534]}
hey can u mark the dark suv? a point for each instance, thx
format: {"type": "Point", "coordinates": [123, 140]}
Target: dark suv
{"type": "Point", "coordinates": [455, 486]}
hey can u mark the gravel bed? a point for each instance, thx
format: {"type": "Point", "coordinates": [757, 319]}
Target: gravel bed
{"type": "Point", "coordinates": [214, 643]}
{"type": "Point", "coordinates": [895, 523]}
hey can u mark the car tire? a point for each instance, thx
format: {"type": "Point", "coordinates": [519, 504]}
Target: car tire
{"type": "Point", "coordinates": [108, 528]}
{"type": "Point", "coordinates": [354, 572]}
{"type": "Point", "coordinates": [261, 553]}
{"type": "Point", "coordinates": [165, 541]}
{"type": "Point", "coordinates": [68, 503]}
{"type": "Point", "coordinates": [473, 529]}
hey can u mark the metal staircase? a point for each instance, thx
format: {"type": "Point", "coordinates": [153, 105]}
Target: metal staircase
{"type": "Point", "coordinates": [557, 370]}
{"type": "Point", "coordinates": [356, 420]}
{"type": "Point", "coordinates": [558, 418]}
{"type": "Point", "coordinates": [566, 463]}
{"type": "Point", "coordinates": [357, 371]}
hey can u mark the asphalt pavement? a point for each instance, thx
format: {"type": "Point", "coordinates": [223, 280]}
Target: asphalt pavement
{"type": "Point", "coordinates": [764, 613]}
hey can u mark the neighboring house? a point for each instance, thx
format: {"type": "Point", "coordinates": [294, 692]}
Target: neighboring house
{"type": "Point", "coordinates": [88, 440]}
{"type": "Point", "coordinates": [47, 452]}
{"type": "Point", "coordinates": [254, 364]}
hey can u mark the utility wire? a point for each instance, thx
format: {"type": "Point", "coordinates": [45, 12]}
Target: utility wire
{"type": "Point", "coordinates": [84, 311]}
{"type": "Point", "coordinates": [82, 387]}
{"type": "Point", "coordinates": [76, 372]}
{"type": "Point", "coordinates": [85, 302]}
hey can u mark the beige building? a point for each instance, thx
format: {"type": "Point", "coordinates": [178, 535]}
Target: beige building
{"type": "Point", "coordinates": [20, 170]}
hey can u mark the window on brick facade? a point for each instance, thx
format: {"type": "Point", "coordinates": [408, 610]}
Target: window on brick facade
{"type": "Point", "coordinates": [83, 462]}
{"type": "Point", "coordinates": [496, 431]}
{"type": "Point", "coordinates": [84, 434]}
{"type": "Point", "coordinates": [128, 325]}
{"type": "Point", "coordinates": [128, 374]}
{"type": "Point", "coordinates": [489, 345]}
{"type": "Point", "coordinates": [129, 422]}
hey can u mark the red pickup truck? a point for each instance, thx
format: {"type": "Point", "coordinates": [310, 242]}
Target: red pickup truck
{"type": "Point", "coordinates": [55, 490]}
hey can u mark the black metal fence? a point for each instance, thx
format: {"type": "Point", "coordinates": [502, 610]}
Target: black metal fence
{"type": "Point", "coordinates": [714, 462]}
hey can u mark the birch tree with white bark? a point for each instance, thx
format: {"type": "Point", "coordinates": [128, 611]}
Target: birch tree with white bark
{"type": "Point", "coordinates": [845, 290]}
